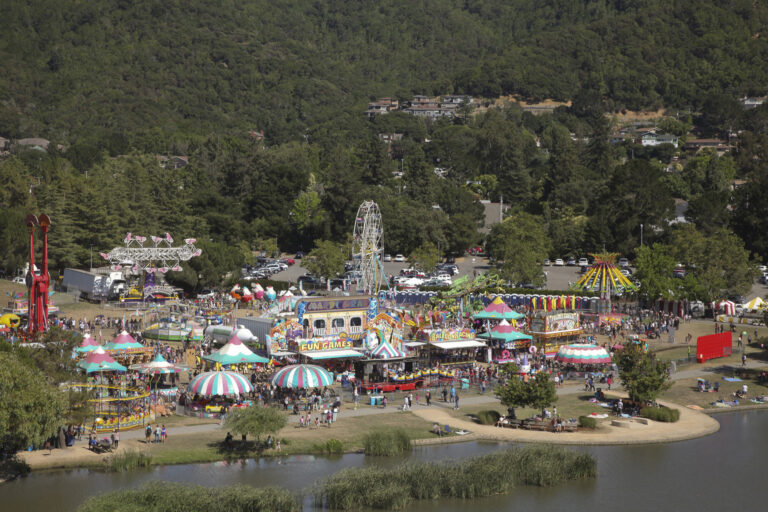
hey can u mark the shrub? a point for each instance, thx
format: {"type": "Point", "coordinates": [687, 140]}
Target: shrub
{"type": "Point", "coordinates": [664, 414]}
{"type": "Point", "coordinates": [587, 422]}
{"type": "Point", "coordinates": [332, 447]}
{"type": "Point", "coordinates": [129, 460]}
{"type": "Point", "coordinates": [488, 417]}
{"type": "Point", "coordinates": [386, 442]}
{"type": "Point", "coordinates": [494, 473]}
{"type": "Point", "coordinates": [164, 496]}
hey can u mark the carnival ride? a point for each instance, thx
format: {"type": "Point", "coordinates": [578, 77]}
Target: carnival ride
{"type": "Point", "coordinates": [38, 284]}
{"type": "Point", "coordinates": [605, 277]}
{"type": "Point", "coordinates": [366, 248]}
{"type": "Point", "coordinates": [156, 256]}
{"type": "Point", "coordinates": [115, 407]}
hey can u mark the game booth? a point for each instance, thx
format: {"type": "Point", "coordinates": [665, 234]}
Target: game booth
{"type": "Point", "coordinates": [551, 329]}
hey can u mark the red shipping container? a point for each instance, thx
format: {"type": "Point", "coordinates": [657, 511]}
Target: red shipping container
{"type": "Point", "coordinates": [713, 346]}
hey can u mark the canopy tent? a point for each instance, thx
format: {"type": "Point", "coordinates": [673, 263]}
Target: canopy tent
{"type": "Point", "coordinates": [582, 353]}
{"type": "Point", "coordinates": [386, 351]}
{"type": "Point", "coordinates": [220, 383]}
{"type": "Point", "coordinates": [235, 352]}
{"type": "Point", "coordinates": [159, 366]}
{"type": "Point", "coordinates": [99, 361]}
{"type": "Point", "coordinates": [498, 310]}
{"type": "Point", "coordinates": [87, 345]}
{"type": "Point", "coordinates": [124, 342]}
{"type": "Point", "coordinates": [728, 307]}
{"type": "Point", "coordinates": [452, 345]}
{"type": "Point", "coordinates": [755, 304]}
{"type": "Point", "coordinates": [505, 332]}
{"type": "Point", "coordinates": [302, 376]}
{"type": "Point", "coordinates": [604, 276]}
{"type": "Point", "coordinates": [341, 353]}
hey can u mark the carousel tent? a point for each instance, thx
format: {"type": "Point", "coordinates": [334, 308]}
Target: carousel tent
{"type": "Point", "coordinates": [581, 353]}
{"type": "Point", "coordinates": [755, 304]}
{"type": "Point", "coordinates": [301, 376]}
{"type": "Point", "coordinates": [505, 332]}
{"type": "Point", "coordinates": [498, 310]}
{"type": "Point", "coordinates": [604, 276]}
{"type": "Point", "coordinates": [386, 351]}
{"type": "Point", "coordinates": [728, 307]}
{"type": "Point", "coordinates": [99, 361]}
{"type": "Point", "coordinates": [235, 352]}
{"type": "Point", "coordinates": [87, 345]}
{"type": "Point", "coordinates": [124, 342]}
{"type": "Point", "coordinates": [220, 383]}
{"type": "Point", "coordinates": [159, 366]}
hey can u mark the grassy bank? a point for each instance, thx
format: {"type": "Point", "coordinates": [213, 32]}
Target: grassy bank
{"type": "Point", "coordinates": [495, 473]}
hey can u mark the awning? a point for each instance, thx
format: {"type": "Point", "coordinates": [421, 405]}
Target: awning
{"type": "Point", "coordinates": [413, 344]}
{"type": "Point", "coordinates": [342, 353]}
{"type": "Point", "coordinates": [450, 345]}
{"type": "Point", "coordinates": [282, 354]}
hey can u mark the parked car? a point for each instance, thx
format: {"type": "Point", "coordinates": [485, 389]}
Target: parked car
{"type": "Point", "coordinates": [547, 263]}
{"type": "Point", "coordinates": [19, 280]}
{"type": "Point", "coordinates": [450, 259]}
{"type": "Point", "coordinates": [399, 258]}
{"type": "Point", "coordinates": [571, 262]}
{"type": "Point", "coordinates": [288, 261]}
{"type": "Point", "coordinates": [583, 262]}
{"type": "Point", "coordinates": [386, 257]}
{"type": "Point", "coordinates": [299, 255]}
{"type": "Point", "coordinates": [623, 262]}
{"type": "Point", "coordinates": [678, 272]}
{"type": "Point", "coordinates": [559, 262]}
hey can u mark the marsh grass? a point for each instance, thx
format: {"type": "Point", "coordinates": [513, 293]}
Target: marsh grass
{"type": "Point", "coordinates": [170, 497]}
{"type": "Point", "coordinates": [386, 442]}
{"type": "Point", "coordinates": [495, 473]}
{"type": "Point", "coordinates": [128, 460]}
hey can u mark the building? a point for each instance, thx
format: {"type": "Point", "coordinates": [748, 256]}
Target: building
{"type": "Point", "coordinates": [382, 106]}
{"type": "Point", "coordinates": [654, 139]}
{"type": "Point", "coordinates": [457, 99]}
{"type": "Point", "coordinates": [752, 102]}
{"type": "Point", "coordinates": [33, 143]}
{"type": "Point", "coordinates": [696, 145]}
{"type": "Point", "coordinates": [433, 111]}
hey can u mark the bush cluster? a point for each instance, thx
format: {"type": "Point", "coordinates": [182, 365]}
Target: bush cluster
{"type": "Point", "coordinates": [664, 414]}
{"type": "Point", "coordinates": [165, 496]}
{"type": "Point", "coordinates": [495, 473]}
{"type": "Point", "coordinates": [332, 447]}
{"type": "Point", "coordinates": [587, 422]}
{"type": "Point", "coordinates": [489, 417]}
{"type": "Point", "coordinates": [386, 442]}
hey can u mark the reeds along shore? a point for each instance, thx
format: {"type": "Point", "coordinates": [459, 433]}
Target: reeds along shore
{"type": "Point", "coordinates": [496, 473]}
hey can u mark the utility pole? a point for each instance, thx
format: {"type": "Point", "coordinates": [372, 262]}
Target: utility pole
{"type": "Point", "coordinates": [501, 208]}
{"type": "Point", "coordinates": [641, 235]}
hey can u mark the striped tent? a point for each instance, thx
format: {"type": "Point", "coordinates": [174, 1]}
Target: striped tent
{"type": "Point", "coordinates": [99, 361]}
{"type": "Point", "coordinates": [220, 383]}
{"type": "Point", "coordinates": [87, 345]}
{"type": "Point", "coordinates": [582, 353]}
{"type": "Point", "coordinates": [159, 366]}
{"type": "Point", "coordinates": [235, 352]}
{"type": "Point", "coordinates": [124, 342]}
{"type": "Point", "coordinates": [386, 351]}
{"type": "Point", "coordinates": [302, 376]}
{"type": "Point", "coordinates": [497, 310]}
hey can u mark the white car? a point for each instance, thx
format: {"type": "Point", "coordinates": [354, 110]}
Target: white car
{"type": "Point", "coordinates": [399, 258]}
{"type": "Point", "coordinates": [206, 294]}
{"type": "Point", "coordinates": [559, 262]}
{"type": "Point", "coordinates": [623, 262]}
{"type": "Point", "coordinates": [19, 280]}
{"type": "Point", "coordinates": [583, 262]}
{"type": "Point", "coordinates": [386, 257]}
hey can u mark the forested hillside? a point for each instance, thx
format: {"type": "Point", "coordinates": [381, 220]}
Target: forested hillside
{"type": "Point", "coordinates": [136, 69]}
{"type": "Point", "coordinates": [118, 86]}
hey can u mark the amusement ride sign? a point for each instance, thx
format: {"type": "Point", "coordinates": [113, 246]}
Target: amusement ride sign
{"type": "Point", "coordinates": [437, 335]}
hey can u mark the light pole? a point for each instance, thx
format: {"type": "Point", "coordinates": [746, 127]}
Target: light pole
{"type": "Point", "coordinates": [641, 235]}
{"type": "Point", "coordinates": [91, 258]}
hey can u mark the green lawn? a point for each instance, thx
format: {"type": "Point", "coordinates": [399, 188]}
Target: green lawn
{"type": "Point", "coordinates": [568, 406]}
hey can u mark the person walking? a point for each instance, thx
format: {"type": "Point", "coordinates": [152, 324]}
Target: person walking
{"type": "Point", "coordinates": [445, 394]}
{"type": "Point", "coordinates": [157, 433]}
{"type": "Point", "coordinates": [453, 392]}
{"type": "Point", "coordinates": [147, 433]}
{"type": "Point", "coordinates": [116, 438]}
{"type": "Point", "coordinates": [456, 402]}
{"type": "Point", "coordinates": [619, 407]}
{"type": "Point", "coordinates": [428, 396]}
{"type": "Point", "coordinates": [163, 434]}
{"type": "Point", "coordinates": [743, 360]}
{"type": "Point", "coordinates": [355, 397]}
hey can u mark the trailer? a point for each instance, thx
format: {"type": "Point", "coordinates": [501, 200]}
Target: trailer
{"type": "Point", "coordinates": [86, 285]}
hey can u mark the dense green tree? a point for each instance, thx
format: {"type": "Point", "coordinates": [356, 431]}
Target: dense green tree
{"type": "Point", "coordinates": [326, 259]}
{"type": "Point", "coordinates": [655, 265]}
{"type": "Point", "coordinates": [538, 392]}
{"type": "Point", "coordinates": [520, 244]}
{"type": "Point", "coordinates": [643, 376]}
{"type": "Point", "coordinates": [31, 409]}
{"type": "Point", "coordinates": [425, 257]}
{"type": "Point", "coordinates": [255, 421]}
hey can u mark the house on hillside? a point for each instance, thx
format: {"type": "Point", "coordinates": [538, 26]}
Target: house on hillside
{"type": "Point", "coordinates": [36, 143]}
{"type": "Point", "coordinates": [696, 145]}
{"type": "Point", "coordinates": [752, 102]}
{"type": "Point", "coordinates": [654, 139]}
{"type": "Point", "coordinates": [381, 106]}
{"type": "Point", "coordinates": [432, 111]}
{"type": "Point", "coordinates": [172, 162]}
{"type": "Point", "coordinates": [457, 99]}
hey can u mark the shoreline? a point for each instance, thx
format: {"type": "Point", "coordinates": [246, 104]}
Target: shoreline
{"type": "Point", "coordinates": [692, 424]}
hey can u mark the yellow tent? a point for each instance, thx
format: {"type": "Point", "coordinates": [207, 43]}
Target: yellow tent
{"type": "Point", "coordinates": [755, 304]}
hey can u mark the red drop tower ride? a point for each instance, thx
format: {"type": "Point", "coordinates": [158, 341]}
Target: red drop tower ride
{"type": "Point", "coordinates": [38, 284]}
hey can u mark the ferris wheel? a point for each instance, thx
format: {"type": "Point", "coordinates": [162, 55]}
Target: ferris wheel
{"type": "Point", "coordinates": [366, 247]}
